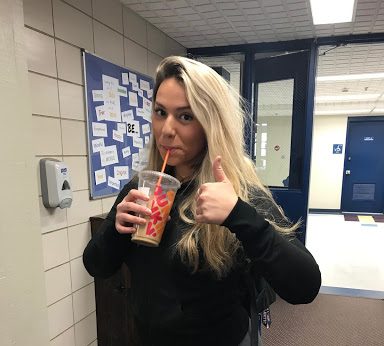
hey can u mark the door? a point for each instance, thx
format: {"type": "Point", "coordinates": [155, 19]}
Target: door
{"type": "Point", "coordinates": [363, 182]}
{"type": "Point", "coordinates": [283, 109]}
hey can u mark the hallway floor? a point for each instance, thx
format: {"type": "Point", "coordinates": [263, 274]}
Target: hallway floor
{"type": "Point", "coordinates": [350, 254]}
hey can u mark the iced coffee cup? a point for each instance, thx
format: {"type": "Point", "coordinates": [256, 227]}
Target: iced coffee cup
{"type": "Point", "coordinates": [161, 189]}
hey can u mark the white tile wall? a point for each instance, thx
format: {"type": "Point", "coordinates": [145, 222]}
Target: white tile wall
{"type": "Point", "coordinates": [109, 12]}
{"type": "Point", "coordinates": [78, 168]}
{"type": "Point", "coordinates": [66, 338]}
{"type": "Point", "coordinates": [135, 56]}
{"type": "Point", "coordinates": [58, 283]}
{"type": "Point", "coordinates": [82, 5]}
{"type": "Point", "coordinates": [44, 95]}
{"type": "Point", "coordinates": [153, 61]}
{"type": "Point", "coordinates": [84, 302]}
{"type": "Point", "coordinates": [74, 137]}
{"type": "Point", "coordinates": [80, 277]}
{"type": "Point", "coordinates": [51, 218]}
{"type": "Point", "coordinates": [69, 62]}
{"type": "Point", "coordinates": [85, 330]}
{"type": "Point", "coordinates": [71, 98]}
{"type": "Point", "coordinates": [82, 208]}
{"type": "Point", "coordinates": [79, 237]}
{"type": "Point", "coordinates": [59, 129]}
{"type": "Point", "coordinates": [47, 135]}
{"type": "Point", "coordinates": [72, 26]}
{"type": "Point", "coordinates": [108, 43]}
{"type": "Point", "coordinates": [135, 27]}
{"type": "Point", "coordinates": [38, 14]}
{"type": "Point", "coordinates": [55, 248]}
{"type": "Point", "coordinates": [40, 50]}
{"type": "Point", "coordinates": [60, 316]}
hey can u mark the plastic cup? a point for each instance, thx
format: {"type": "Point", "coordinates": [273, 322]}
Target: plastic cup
{"type": "Point", "coordinates": [161, 197]}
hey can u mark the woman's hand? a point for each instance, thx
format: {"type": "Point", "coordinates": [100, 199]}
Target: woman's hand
{"type": "Point", "coordinates": [127, 210]}
{"type": "Point", "coordinates": [214, 201]}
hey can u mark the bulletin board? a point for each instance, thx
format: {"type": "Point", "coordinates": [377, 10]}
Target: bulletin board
{"type": "Point", "coordinates": [118, 105]}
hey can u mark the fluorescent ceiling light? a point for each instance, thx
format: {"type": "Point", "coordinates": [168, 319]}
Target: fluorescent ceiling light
{"type": "Point", "coordinates": [358, 97]}
{"type": "Point", "coordinates": [345, 111]}
{"type": "Point", "coordinates": [378, 110]}
{"type": "Point", "coordinates": [332, 11]}
{"type": "Point", "coordinates": [351, 77]}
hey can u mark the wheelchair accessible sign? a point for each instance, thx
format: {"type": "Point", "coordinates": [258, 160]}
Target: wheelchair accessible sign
{"type": "Point", "coordinates": [337, 148]}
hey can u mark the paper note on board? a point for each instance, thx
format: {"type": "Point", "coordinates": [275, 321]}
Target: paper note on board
{"type": "Point", "coordinates": [147, 105]}
{"type": "Point", "coordinates": [99, 130]}
{"type": "Point", "coordinates": [140, 93]}
{"type": "Point", "coordinates": [133, 128]}
{"type": "Point", "coordinates": [115, 183]}
{"type": "Point", "coordinates": [100, 113]}
{"type": "Point", "coordinates": [97, 95]}
{"type": "Point", "coordinates": [145, 129]}
{"type": "Point", "coordinates": [121, 172]}
{"type": "Point", "coordinates": [127, 116]}
{"type": "Point", "coordinates": [100, 176]}
{"type": "Point", "coordinates": [140, 112]}
{"type": "Point", "coordinates": [147, 139]}
{"type": "Point", "coordinates": [150, 93]}
{"type": "Point", "coordinates": [135, 86]}
{"type": "Point", "coordinates": [122, 91]}
{"type": "Point", "coordinates": [108, 155]}
{"type": "Point", "coordinates": [117, 136]}
{"type": "Point", "coordinates": [144, 85]}
{"type": "Point", "coordinates": [126, 152]}
{"type": "Point", "coordinates": [133, 99]}
{"type": "Point", "coordinates": [122, 127]}
{"type": "Point", "coordinates": [124, 78]}
{"type": "Point", "coordinates": [137, 142]}
{"type": "Point", "coordinates": [97, 144]}
{"type": "Point", "coordinates": [132, 77]}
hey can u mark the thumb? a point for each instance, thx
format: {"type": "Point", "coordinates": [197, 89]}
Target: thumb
{"type": "Point", "coordinates": [218, 172]}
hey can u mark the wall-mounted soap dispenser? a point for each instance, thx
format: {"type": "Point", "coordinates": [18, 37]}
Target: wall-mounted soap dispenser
{"type": "Point", "coordinates": [55, 184]}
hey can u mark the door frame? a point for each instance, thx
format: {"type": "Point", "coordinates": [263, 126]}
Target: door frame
{"type": "Point", "coordinates": [351, 119]}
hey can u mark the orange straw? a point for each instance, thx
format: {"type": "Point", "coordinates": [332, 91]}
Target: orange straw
{"type": "Point", "coordinates": [163, 168]}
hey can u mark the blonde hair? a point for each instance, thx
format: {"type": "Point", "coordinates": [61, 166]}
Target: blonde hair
{"type": "Point", "coordinates": [216, 106]}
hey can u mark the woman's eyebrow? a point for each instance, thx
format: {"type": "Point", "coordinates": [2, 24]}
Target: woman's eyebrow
{"type": "Point", "coordinates": [183, 108]}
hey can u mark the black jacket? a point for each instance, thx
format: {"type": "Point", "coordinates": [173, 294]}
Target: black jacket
{"type": "Point", "coordinates": [174, 307]}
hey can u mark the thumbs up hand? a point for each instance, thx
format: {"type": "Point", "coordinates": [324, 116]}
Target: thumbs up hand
{"type": "Point", "coordinates": [214, 201]}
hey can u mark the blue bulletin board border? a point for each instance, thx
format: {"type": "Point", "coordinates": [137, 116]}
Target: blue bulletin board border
{"type": "Point", "coordinates": [118, 108]}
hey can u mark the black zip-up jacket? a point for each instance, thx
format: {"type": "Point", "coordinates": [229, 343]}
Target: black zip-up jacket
{"type": "Point", "coordinates": [174, 307]}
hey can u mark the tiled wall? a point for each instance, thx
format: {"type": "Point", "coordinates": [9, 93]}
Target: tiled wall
{"type": "Point", "coordinates": [55, 30]}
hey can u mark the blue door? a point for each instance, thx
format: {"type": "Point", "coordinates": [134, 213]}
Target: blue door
{"type": "Point", "coordinates": [283, 109]}
{"type": "Point", "coordinates": [363, 182]}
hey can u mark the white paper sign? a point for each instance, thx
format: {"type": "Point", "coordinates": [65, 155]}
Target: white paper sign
{"type": "Point", "coordinates": [140, 112]}
{"type": "Point", "coordinates": [115, 183]}
{"type": "Point", "coordinates": [124, 78]}
{"type": "Point", "coordinates": [145, 128]}
{"type": "Point", "coordinates": [133, 128]}
{"type": "Point", "coordinates": [109, 83]}
{"type": "Point", "coordinates": [135, 86]}
{"type": "Point", "coordinates": [108, 155]}
{"type": "Point", "coordinates": [144, 85]}
{"type": "Point", "coordinates": [147, 139]}
{"type": "Point", "coordinates": [122, 128]}
{"type": "Point", "coordinates": [143, 155]}
{"type": "Point", "coordinates": [132, 77]}
{"type": "Point", "coordinates": [122, 91]}
{"type": "Point", "coordinates": [148, 117]}
{"type": "Point", "coordinates": [140, 93]}
{"type": "Point", "coordinates": [100, 113]}
{"type": "Point", "coordinates": [127, 116]}
{"type": "Point", "coordinates": [117, 136]}
{"type": "Point", "coordinates": [133, 99]}
{"type": "Point", "coordinates": [150, 93]}
{"type": "Point", "coordinates": [100, 176]}
{"type": "Point", "coordinates": [147, 105]}
{"type": "Point", "coordinates": [126, 152]}
{"type": "Point", "coordinates": [99, 130]}
{"type": "Point", "coordinates": [137, 142]}
{"type": "Point", "coordinates": [97, 95]}
{"type": "Point", "coordinates": [97, 144]}
{"type": "Point", "coordinates": [121, 172]}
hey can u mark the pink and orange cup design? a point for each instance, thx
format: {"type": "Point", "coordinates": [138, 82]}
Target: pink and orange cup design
{"type": "Point", "coordinates": [160, 202]}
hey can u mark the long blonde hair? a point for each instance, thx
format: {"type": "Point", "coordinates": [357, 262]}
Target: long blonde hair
{"type": "Point", "coordinates": [216, 105]}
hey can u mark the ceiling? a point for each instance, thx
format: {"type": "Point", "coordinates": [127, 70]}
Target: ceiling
{"type": "Point", "coordinates": [207, 23]}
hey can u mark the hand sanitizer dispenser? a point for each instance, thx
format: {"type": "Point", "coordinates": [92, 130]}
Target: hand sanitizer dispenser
{"type": "Point", "coordinates": [55, 184]}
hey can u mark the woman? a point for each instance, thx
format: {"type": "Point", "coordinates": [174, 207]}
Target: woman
{"type": "Point", "coordinates": [188, 291]}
